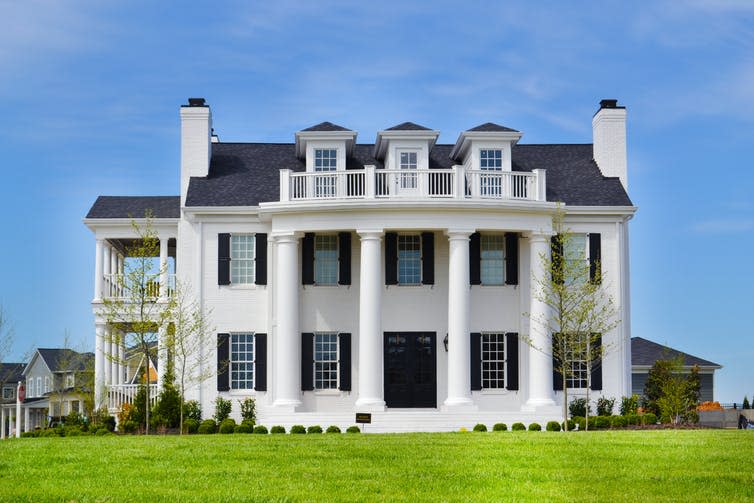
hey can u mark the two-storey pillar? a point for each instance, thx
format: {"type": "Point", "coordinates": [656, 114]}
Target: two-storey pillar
{"type": "Point", "coordinates": [540, 361]}
{"type": "Point", "coordinates": [99, 365]}
{"type": "Point", "coordinates": [371, 394]}
{"type": "Point", "coordinates": [98, 269]}
{"type": "Point", "coordinates": [459, 306]}
{"type": "Point", "coordinates": [288, 343]}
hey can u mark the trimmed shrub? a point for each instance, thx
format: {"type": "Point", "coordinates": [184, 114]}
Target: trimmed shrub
{"type": "Point", "coordinates": [227, 426]}
{"type": "Point", "coordinates": [298, 429]}
{"type": "Point", "coordinates": [480, 427]}
{"type": "Point", "coordinates": [500, 427]}
{"type": "Point", "coordinates": [633, 419]}
{"type": "Point", "coordinates": [260, 430]}
{"type": "Point", "coordinates": [353, 429]}
{"type": "Point", "coordinates": [248, 410]}
{"type": "Point", "coordinates": [207, 427]}
{"type": "Point", "coordinates": [535, 427]}
{"type": "Point", "coordinates": [577, 407]}
{"type": "Point", "coordinates": [618, 421]}
{"type": "Point", "coordinates": [48, 433]}
{"type": "Point", "coordinates": [571, 425]}
{"type": "Point", "coordinates": [29, 434]}
{"type": "Point", "coordinates": [314, 429]}
{"type": "Point", "coordinates": [101, 432]}
{"type": "Point", "coordinates": [605, 406]}
{"type": "Point", "coordinates": [277, 429]}
{"type": "Point", "coordinates": [552, 426]}
{"type": "Point", "coordinates": [648, 418]}
{"type": "Point", "coordinates": [128, 427]}
{"type": "Point", "coordinates": [168, 407]}
{"type": "Point", "coordinates": [629, 405]}
{"type": "Point", "coordinates": [190, 425]}
{"type": "Point", "coordinates": [223, 408]}
{"type": "Point", "coordinates": [518, 427]}
{"type": "Point", "coordinates": [600, 422]}
{"type": "Point", "coordinates": [333, 429]}
{"type": "Point", "coordinates": [192, 410]}
{"type": "Point", "coordinates": [72, 431]}
{"type": "Point", "coordinates": [580, 422]}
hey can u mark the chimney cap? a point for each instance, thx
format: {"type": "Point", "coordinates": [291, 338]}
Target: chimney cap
{"type": "Point", "coordinates": [197, 102]}
{"type": "Point", "coordinates": [609, 103]}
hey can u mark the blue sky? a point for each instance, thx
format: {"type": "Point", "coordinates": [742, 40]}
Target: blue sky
{"type": "Point", "coordinates": [90, 94]}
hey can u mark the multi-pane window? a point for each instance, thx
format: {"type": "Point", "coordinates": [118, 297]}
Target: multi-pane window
{"type": "Point", "coordinates": [47, 384]}
{"type": "Point", "coordinates": [491, 183]}
{"type": "Point", "coordinates": [39, 386]}
{"type": "Point", "coordinates": [409, 259]}
{"type": "Point", "coordinates": [575, 257]}
{"type": "Point", "coordinates": [576, 353]}
{"type": "Point", "coordinates": [242, 361]}
{"type": "Point", "coordinates": [9, 393]}
{"type": "Point", "coordinates": [30, 387]}
{"type": "Point", "coordinates": [408, 164]}
{"type": "Point", "coordinates": [326, 361]}
{"type": "Point", "coordinates": [325, 259]}
{"type": "Point", "coordinates": [242, 258]}
{"type": "Point", "coordinates": [492, 265]}
{"type": "Point", "coordinates": [493, 361]}
{"type": "Point", "coordinates": [69, 381]}
{"type": "Point", "coordinates": [325, 159]}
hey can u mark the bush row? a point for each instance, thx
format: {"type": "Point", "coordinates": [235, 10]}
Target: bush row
{"type": "Point", "coordinates": [228, 425]}
{"type": "Point", "coordinates": [595, 423]}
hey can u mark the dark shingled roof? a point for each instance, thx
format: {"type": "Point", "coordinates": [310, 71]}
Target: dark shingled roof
{"type": "Point", "coordinates": [326, 126]}
{"type": "Point", "coordinates": [644, 352]}
{"type": "Point", "coordinates": [11, 372]}
{"type": "Point", "coordinates": [135, 207]}
{"type": "Point", "coordinates": [246, 174]}
{"type": "Point", "coordinates": [408, 126]}
{"type": "Point", "coordinates": [59, 360]}
{"type": "Point", "coordinates": [490, 127]}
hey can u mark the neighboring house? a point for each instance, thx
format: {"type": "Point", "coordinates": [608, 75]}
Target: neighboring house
{"type": "Point", "coordinates": [57, 383]}
{"type": "Point", "coordinates": [645, 353]}
{"type": "Point", "coordinates": [10, 376]}
{"type": "Point", "coordinates": [394, 278]}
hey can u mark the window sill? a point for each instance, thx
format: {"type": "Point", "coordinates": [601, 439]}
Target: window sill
{"type": "Point", "coordinates": [495, 391]}
{"type": "Point", "coordinates": [242, 392]}
{"type": "Point", "coordinates": [328, 392]}
{"type": "Point", "coordinates": [243, 286]}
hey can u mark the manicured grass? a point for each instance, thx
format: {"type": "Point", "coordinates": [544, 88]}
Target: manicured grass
{"type": "Point", "coordinates": [692, 465]}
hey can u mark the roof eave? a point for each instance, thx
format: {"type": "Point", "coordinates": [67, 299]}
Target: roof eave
{"type": "Point", "coordinates": [380, 145]}
{"type": "Point", "coordinates": [466, 137]}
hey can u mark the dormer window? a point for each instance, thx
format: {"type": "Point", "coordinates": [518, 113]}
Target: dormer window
{"type": "Point", "coordinates": [325, 159]}
{"type": "Point", "coordinates": [491, 185]}
{"type": "Point", "coordinates": [491, 160]}
{"type": "Point", "coordinates": [408, 164]}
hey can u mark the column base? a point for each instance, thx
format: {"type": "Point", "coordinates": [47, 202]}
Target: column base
{"type": "Point", "coordinates": [369, 405]}
{"type": "Point", "coordinates": [459, 403]}
{"type": "Point", "coordinates": [287, 405]}
{"type": "Point", "coordinates": [535, 404]}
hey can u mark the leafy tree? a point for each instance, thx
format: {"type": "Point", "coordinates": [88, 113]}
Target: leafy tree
{"type": "Point", "coordinates": [671, 394]}
{"type": "Point", "coordinates": [136, 316]}
{"type": "Point", "coordinates": [746, 404]}
{"type": "Point", "coordinates": [660, 372]}
{"type": "Point", "coordinates": [579, 308]}
{"type": "Point", "coordinates": [167, 411]}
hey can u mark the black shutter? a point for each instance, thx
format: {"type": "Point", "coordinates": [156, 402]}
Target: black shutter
{"type": "Point", "coordinates": [344, 364]}
{"type": "Point", "coordinates": [596, 350]}
{"type": "Point", "coordinates": [476, 361]}
{"type": "Point", "coordinates": [223, 259]}
{"type": "Point", "coordinates": [557, 376]}
{"type": "Point", "coordinates": [307, 259]}
{"type": "Point", "coordinates": [475, 259]}
{"type": "Point", "coordinates": [223, 356]}
{"type": "Point", "coordinates": [511, 357]}
{"type": "Point", "coordinates": [307, 362]}
{"type": "Point", "coordinates": [261, 260]}
{"type": "Point", "coordinates": [260, 362]}
{"type": "Point", "coordinates": [556, 249]}
{"type": "Point", "coordinates": [344, 258]}
{"type": "Point", "coordinates": [511, 258]}
{"type": "Point", "coordinates": [391, 258]}
{"type": "Point", "coordinates": [595, 258]}
{"type": "Point", "coordinates": [428, 258]}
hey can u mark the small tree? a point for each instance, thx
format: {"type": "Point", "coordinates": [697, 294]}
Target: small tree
{"type": "Point", "coordinates": [579, 309]}
{"type": "Point", "coordinates": [671, 394]}
{"type": "Point", "coordinates": [746, 404]}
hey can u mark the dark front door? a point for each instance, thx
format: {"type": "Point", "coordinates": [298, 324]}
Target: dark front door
{"type": "Point", "coordinates": [410, 369]}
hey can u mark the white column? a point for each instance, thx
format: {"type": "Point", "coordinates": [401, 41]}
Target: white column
{"type": "Point", "coordinates": [113, 357]}
{"type": "Point", "coordinates": [99, 365]}
{"type": "Point", "coordinates": [540, 359]}
{"type": "Point", "coordinates": [2, 422]}
{"type": "Point", "coordinates": [121, 362]}
{"type": "Point", "coordinates": [98, 270]}
{"type": "Point", "coordinates": [107, 359]}
{"type": "Point", "coordinates": [288, 346]}
{"type": "Point", "coordinates": [163, 268]}
{"type": "Point", "coordinates": [27, 419]}
{"type": "Point", "coordinates": [459, 306]}
{"type": "Point", "coordinates": [18, 412]}
{"type": "Point", "coordinates": [371, 394]}
{"type": "Point", "coordinates": [162, 355]}
{"type": "Point", "coordinates": [107, 269]}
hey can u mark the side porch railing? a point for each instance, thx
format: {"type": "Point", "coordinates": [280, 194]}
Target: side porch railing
{"type": "Point", "coordinates": [116, 286]}
{"type": "Point", "coordinates": [118, 394]}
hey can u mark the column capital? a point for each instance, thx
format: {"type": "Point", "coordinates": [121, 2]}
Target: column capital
{"type": "Point", "coordinates": [539, 235]}
{"type": "Point", "coordinates": [287, 236]}
{"type": "Point", "coordinates": [367, 234]}
{"type": "Point", "coordinates": [459, 233]}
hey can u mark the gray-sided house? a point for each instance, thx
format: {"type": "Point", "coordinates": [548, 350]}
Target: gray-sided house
{"type": "Point", "coordinates": [645, 353]}
{"type": "Point", "coordinates": [10, 375]}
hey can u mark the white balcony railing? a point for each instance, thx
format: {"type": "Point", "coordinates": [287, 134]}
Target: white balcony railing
{"type": "Point", "coordinates": [454, 183]}
{"type": "Point", "coordinates": [117, 286]}
{"type": "Point", "coordinates": [118, 394]}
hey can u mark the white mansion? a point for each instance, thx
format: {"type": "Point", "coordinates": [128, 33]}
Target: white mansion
{"type": "Point", "coordinates": [395, 278]}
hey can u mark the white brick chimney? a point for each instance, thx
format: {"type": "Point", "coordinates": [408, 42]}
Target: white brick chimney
{"type": "Point", "coordinates": [196, 149]}
{"type": "Point", "coordinates": [609, 131]}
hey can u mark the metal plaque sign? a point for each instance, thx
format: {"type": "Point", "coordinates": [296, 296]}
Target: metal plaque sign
{"type": "Point", "coordinates": [363, 418]}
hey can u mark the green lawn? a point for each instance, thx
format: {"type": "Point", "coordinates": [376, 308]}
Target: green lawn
{"type": "Point", "coordinates": [691, 465]}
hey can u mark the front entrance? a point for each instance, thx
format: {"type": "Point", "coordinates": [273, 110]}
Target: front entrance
{"type": "Point", "coordinates": [410, 369]}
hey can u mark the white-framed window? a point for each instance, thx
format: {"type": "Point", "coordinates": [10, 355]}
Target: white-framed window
{"type": "Point", "coordinates": [39, 386]}
{"type": "Point", "coordinates": [408, 163]}
{"type": "Point", "coordinates": [576, 255]}
{"type": "Point", "coordinates": [325, 259]}
{"type": "Point", "coordinates": [493, 360]}
{"type": "Point", "coordinates": [576, 354]}
{"type": "Point", "coordinates": [30, 387]}
{"type": "Point", "coordinates": [326, 360]}
{"type": "Point", "coordinates": [325, 160]}
{"type": "Point", "coordinates": [492, 259]}
{"type": "Point", "coordinates": [491, 160]}
{"type": "Point", "coordinates": [9, 393]}
{"type": "Point", "coordinates": [69, 381]}
{"type": "Point", "coordinates": [242, 255]}
{"type": "Point", "coordinates": [409, 259]}
{"type": "Point", "coordinates": [75, 406]}
{"type": "Point", "coordinates": [47, 384]}
{"type": "Point", "coordinates": [242, 361]}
